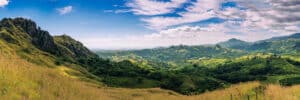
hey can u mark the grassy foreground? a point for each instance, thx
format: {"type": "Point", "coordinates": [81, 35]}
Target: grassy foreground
{"type": "Point", "coordinates": [21, 80]}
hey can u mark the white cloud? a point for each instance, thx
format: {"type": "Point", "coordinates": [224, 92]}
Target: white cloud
{"type": "Point", "coordinates": [3, 3]}
{"type": "Point", "coordinates": [117, 11]}
{"type": "Point", "coordinates": [251, 20]}
{"type": "Point", "coordinates": [65, 10]}
{"type": "Point", "coordinates": [182, 35]}
{"type": "Point", "coordinates": [272, 15]}
{"type": "Point", "coordinates": [186, 35]}
{"type": "Point", "coordinates": [200, 10]}
{"type": "Point", "coordinates": [154, 7]}
{"type": "Point", "coordinates": [279, 17]}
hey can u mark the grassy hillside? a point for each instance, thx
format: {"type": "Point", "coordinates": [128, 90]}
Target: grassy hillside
{"type": "Point", "coordinates": [199, 76]}
{"type": "Point", "coordinates": [18, 82]}
{"type": "Point", "coordinates": [36, 66]}
{"type": "Point", "coordinates": [27, 72]}
{"type": "Point", "coordinates": [23, 80]}
{"type": "Point", "coordinates": [196, 69]}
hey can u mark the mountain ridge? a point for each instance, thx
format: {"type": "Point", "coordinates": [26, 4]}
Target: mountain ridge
{"type": "Point", "coordinates": [40, 38]}
{"type": "Point", "coordinates": [234, 43]}
{"type": "Point", "coordinates": [61, 46]}
{"type": "Point", "coordinates": [294, 36]}
{"type": "Point", "coordinates": [232, 47]}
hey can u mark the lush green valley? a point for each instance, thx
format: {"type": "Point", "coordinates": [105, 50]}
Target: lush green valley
{"type": "Point", "coordinates": [184, 68]}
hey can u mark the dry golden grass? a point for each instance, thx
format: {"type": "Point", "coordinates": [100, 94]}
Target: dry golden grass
{"type": "Point", "coordinates": [22, 80]}
{"type": "Point", "coordinates": [235, 92]}
{"type": "Point", "coordinates": [275, 92]}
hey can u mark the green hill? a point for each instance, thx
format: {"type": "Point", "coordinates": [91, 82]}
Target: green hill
{"type": "Point", "coordinates": [73, 48]}
{"type": "Point", "coordinates": [226, 63]}
{"type": "Point", "coordinates": [235, 44]}
{"type": "Point", "coordinates": [278, 45]}
{"type": "Point", "coordinates": [22, 38]}
{"type": "Point", "coordinates": [287, 45]}
{"type": "Point", "coordinates": [176, 53]}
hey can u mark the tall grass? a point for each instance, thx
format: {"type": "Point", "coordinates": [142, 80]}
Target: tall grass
{"type": "Point", "coordinates": [276, 92]}
{"type": "Point", "coordinates": [23, 80]}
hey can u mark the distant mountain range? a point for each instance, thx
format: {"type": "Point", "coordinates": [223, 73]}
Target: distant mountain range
{"type": "Point", "coordinates": [279, 45]}
{"type": "Point", "coordinates": [231, 48]}
{"type": "Point", "coordinates": [293, 36]}
{"type": "Point", "coordinates": [230, 62]}
{"type": "Point", "coordinates": [235, 44]}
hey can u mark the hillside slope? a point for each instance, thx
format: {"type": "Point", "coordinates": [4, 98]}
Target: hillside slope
{"type": "Point", "coordinates": [67, 70]}
{"type": "Point", "coordinates": [279, 45]}
{"type": "Point", "coordinates": [196, 69]}
{"type": "Point", "coordinates": [29, 65]}
{"type": "Point", "coordinates": [234, 44]}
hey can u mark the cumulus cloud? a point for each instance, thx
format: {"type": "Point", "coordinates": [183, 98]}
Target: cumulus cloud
{"type": "Point", "coordinates": [250, 20]}
{"type": "Point", "coordinates": [154, 7]}
{"type": "Point", "coordinates": [65, 10]}
{"type": "Point", "coordinates": [3, 3]}
{"type": "Point", "coordinates": [273, 15]}
{"type": "Point", "coordinates": [183, 35]}
{"type": "Point", "coordinates": [186, 35]}
{"type": "Point", "coordinates": [276, 16]}
{"type": "Point", "coordinates": [200, 10]}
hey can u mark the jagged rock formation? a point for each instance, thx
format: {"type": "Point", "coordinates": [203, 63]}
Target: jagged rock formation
{"type": "Point", "coordinates": [25, 32]}
{"type": "Point", "coordinates": [39, 38]}
{"type": "Point", "coordinates": [75, 48]}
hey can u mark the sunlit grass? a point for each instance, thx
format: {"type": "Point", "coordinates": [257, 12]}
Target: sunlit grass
{"type": "Point", "coordinates": [21, 79]}
{"type": "Point", "coordinates": [276, 92]}
{"type": "Point", "coordinates": [44, 83]}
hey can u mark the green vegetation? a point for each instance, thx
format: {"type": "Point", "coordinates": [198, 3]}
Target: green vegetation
{"type": "Point", "coordinates": [235, 44]}
{"type": "Point", "coordinates": [175, 53]}
{"type": "Point", "coordinates": [183, 68]}
{"type": "Point", "coordinates": [290, 81]}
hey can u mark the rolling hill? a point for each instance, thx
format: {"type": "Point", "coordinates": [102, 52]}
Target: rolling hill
{"type": "Point", "coordinates": [234, 44]}
{"type": "Point", "coordinates": [279, 45]}
{"type": "Point", "coordinates": [175, 53]}
{"type": "Point", "coordinates": [220, 65]}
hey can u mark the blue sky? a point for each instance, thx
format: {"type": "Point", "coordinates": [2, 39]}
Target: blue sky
{"type": "Point", "coordinates": [87, 17]}
{"type": "Point", "coordinates": [137, 24]}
